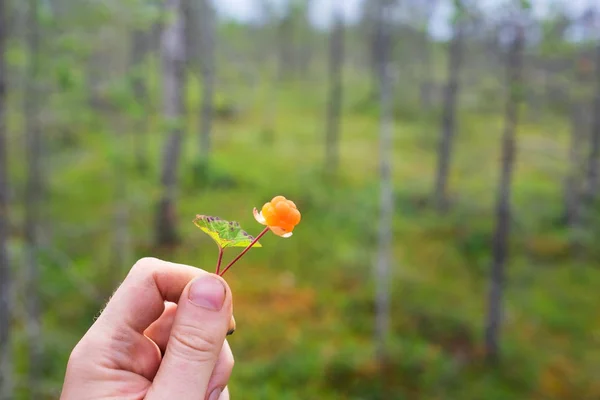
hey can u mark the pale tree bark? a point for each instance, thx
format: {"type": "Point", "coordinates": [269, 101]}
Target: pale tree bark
{"type": "Point", "coordinates": [207, 65]}
{"type": "Point", "coordinates": [503, 202]}
{"type": "Point", "coordinates": [572, 190]}
{"type": "Point", "coordinates": [334, 104]}
{"type": "Point", "coordinates": [382, 266]}
{"type": "Point", "coordinates": [371, 20]}
{"type": "Point", "coordinates": [173, 64]}
{"type": "Point", "coordinates": [191, 15]}
{"type": "Point", "coordinates": [6, 377]}
{"type": "Point", "coordinates": [591, 193]}
{"type": "Point", "coordinates": [455, 53]}
{"type": "Point", "coordinates": [574, 180]}
{"type": "Point", "coordinates": [33, 198]}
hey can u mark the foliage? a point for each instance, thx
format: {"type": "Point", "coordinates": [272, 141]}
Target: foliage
{"type": "Point", "coordinates": [304, 309]}
{"type": "Point", "coordinates": [224, 233]}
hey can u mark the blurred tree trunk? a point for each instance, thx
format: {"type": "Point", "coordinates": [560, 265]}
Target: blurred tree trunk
{"type": "Point", "coordinates": [572, 186]}
{"type": "Point", "coordinates": [427, 84]}
{"type": "Point", "coordinates": [156, 29]}
{"type": "Point", "coordinates": [33, 197]}
{"type": "Point", "coordinates": [372, 19]}
{"type": "Point", "coordinates": [334, 104]}
{"type": "Point", "coordinates": [173, 62]}
{"type": "Point", "coordinates": [207, 65]}
{"type": "Point", "coordinates": [593, 158]}
{"type": "Point", "coordinates": [382, 268]}
{"type": "Point", "coordinates": [139, 48]}
{"type": "Point", "coordinates": [574, 182]}
{"type": "Point", "coordinates": [6, 383]}
{"type": "Point", "coordinates": [503, 206]}
{"type": "Point", "coordinates": [191, 15]}
{"type": "Point", "coordinates": [449, 116]}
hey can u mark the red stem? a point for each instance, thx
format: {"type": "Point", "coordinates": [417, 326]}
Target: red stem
{"type": "Point", "coordinates": [244, 251]}
{"type": "Point", "coordinates": [219, 260]}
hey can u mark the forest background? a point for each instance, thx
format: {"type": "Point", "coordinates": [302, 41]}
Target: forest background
{"type": "Point", "coordinates": [444, 155]}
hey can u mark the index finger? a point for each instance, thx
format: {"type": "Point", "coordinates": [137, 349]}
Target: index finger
{"type": "Point", "coordinates": [140, 300]}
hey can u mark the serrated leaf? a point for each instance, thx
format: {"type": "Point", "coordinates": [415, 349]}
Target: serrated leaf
{"type": "Point", "coordinates": [224, 233]}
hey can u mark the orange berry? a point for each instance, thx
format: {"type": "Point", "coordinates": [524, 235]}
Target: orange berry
{"type": "Point", "coordinates": [286, 227]}
{"type": "Point", "coordinates": [282, 213]}
{"type": "Point", "coordinates": [268, 212]}
{"type": "Point", "coordinates": [294, 216]}
{"type": "Point", "coordinates": [267, 209]}
{"type": "Point", "coordinates": [282, 208]}
{"type": "Point", "coordinates": [289, 216]}
{"type": "Point", "coordinates": [277, 199]}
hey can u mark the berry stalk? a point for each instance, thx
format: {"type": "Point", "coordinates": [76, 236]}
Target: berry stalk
{"type": "Point", "coordinates": [219, 260]}
{"type": "Point", "coordinates": [244, 251]}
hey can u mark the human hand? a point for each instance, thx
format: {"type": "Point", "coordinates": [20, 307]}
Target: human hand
{"type": "Point", "coordinates": [161, 336]}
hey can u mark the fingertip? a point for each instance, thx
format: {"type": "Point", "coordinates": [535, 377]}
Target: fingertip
{"type": "Point", "coordinates": [196, 341]}
{"type": "Point", "coordinates": [232, 326]}
{"type": "Point", "coordinates": [208, 292]}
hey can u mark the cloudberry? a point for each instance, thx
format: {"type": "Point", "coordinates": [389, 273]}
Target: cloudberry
{"type": "Point", "coordinates": [280, 215]}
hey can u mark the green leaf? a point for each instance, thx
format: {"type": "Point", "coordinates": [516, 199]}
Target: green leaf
{"type": "Point", "coordinates": [224, 233]}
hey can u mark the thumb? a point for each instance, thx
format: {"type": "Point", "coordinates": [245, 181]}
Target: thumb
{"type": "Point", "coordinates": [203, 315]}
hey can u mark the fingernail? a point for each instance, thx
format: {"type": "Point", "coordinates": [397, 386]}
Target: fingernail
{"type": "Point", "coordinates": [215, 394]}
{"type": "Point", "coordinates": [231, 326]}
{"type": "Point", "coordinates": [207, 292]}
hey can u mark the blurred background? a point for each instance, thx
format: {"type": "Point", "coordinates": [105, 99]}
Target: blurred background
{"type": "Point", "coordinates": [444, 155]}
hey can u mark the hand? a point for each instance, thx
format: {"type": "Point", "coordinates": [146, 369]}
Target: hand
{"type": "Point", "coordinates": [161, 336]}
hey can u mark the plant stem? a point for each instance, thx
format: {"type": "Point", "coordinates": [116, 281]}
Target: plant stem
{"type": "Point", "coordinates": [244, 251]}
{"type": "Point", "coordinates": [219, 260]}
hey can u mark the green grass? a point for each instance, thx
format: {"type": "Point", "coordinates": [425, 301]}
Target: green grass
{"type": "Point", "coordinates": [304, 306]}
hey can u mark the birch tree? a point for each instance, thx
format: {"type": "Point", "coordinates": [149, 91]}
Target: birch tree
{"type": "Point", "coordinates": [449, 115]}
{"type": "Point", "coordinates": [572, 180]}
{"type": "Point", "coordinates": [173, 64]}
{"type": "Point", "coordinates": [592, 174]}
{"type": "Point", "coordinates": [382, 266]}
{"type": "Point", "coordinates": [503, 201]}
{"type": "Point", "coordinates": [6, 384]}
{"type": "Point", "coordinates": [579, 116]}
{"type": "Point", "coordinates": [207, 65]}
{"type": "Point", "coordinates": [33, 196]}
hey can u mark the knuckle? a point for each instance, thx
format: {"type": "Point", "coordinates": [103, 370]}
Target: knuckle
{"type": "Point", "coordinates": [144, 265]}
{"type": "Point", "coordinates": [193, 343]}
{"type": "Point", "coordinates": [78, 353]}
{"type": "Point", "coordinates": [144, 269]}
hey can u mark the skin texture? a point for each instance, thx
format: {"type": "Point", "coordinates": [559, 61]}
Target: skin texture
{"type": "Point", "coordinates": [161, 336]}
